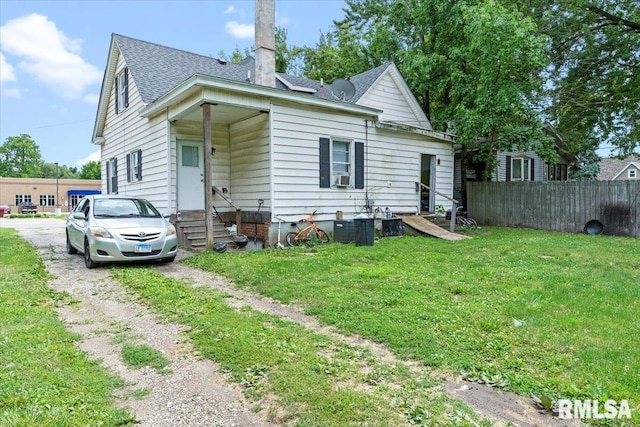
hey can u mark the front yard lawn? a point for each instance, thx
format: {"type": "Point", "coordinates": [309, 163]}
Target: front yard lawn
{"type": "Point", "coordinates": [551, 313]}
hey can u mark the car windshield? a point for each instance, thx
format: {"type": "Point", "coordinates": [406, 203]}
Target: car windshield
{"type": "Point", "coordinates": [124, 208]}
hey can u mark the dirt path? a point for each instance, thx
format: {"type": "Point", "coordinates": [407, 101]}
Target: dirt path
{"type": "Point", "coordinates": [196, 393]}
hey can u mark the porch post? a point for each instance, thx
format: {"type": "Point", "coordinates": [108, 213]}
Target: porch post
{"type": "Point", "coordinates": [208, 197]}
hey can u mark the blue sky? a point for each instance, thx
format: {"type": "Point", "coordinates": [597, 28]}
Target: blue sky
{"type": "Point", "coordinates": [53, 55]}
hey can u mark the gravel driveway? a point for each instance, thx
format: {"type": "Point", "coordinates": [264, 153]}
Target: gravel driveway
{"type": "Point", "coordinates": [195, 393]}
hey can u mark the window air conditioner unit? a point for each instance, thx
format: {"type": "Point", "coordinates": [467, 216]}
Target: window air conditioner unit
{"type": "Point", "coordinates": [342, 180]}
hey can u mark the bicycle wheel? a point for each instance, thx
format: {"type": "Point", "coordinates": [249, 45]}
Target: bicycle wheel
{"type": "Point", "coordinates": [472, 223]}
{"type": "Point", "coordinates": [291, 238]}
{"type": "Point", "coordinates": [322, 235]}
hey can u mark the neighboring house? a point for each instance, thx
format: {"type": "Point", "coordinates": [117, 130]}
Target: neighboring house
{"type": "Point", "coordinates": [519, 165]}
{"type": "Point", "coordinates": [166, 116]}
{"type": "Point", "coordinates": [47, 193]}
{"type": "Point", "coordinates": [612, 169]}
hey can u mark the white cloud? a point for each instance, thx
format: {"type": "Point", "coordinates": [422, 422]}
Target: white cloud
{"type": "Point", "coordinates": [232, 10]}
{"type": "Point", "coordinates": [236, 29]}
{"type": "Point", "coordinates": [93, 157]}
{"type": "Point", "coordinates": [48, 55]}
{"type": "Point", "coordinates": [6, 70]}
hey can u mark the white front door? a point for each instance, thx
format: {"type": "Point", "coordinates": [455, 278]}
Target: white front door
{"type": "Point", "coordinates": [190, 176]}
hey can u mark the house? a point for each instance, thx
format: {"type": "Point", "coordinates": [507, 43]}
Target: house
{"type": "Point", "coordinates": [518, 165]}
{"type": "Point", "coordinates": [188, 131]}
{"type": "Point", "coordinates": [49, 194]}
{"type": "Point", "coordinates": [612, 169]}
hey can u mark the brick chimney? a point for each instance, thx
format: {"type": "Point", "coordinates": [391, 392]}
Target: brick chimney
{"type": "Point", "coordinates": [265, 43]}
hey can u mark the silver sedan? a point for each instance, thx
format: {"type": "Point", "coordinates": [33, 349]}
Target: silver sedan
{"type": "Point", "coordinates": [110, 228]}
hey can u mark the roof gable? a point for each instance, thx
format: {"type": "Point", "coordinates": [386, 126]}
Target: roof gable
{"type": "Point", "coordinates": [611, 168]}
{"type": "Point", "coordinates": [385, 85]}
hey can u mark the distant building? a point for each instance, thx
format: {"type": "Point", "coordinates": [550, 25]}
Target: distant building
{"type": "Point", "coordinates": [612, 169]}
{"type": "Point", "coordinates": [46, 193]}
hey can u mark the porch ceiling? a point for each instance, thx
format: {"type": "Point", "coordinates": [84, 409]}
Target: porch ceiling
{"type": "Point", "coordinates": [220, 114]}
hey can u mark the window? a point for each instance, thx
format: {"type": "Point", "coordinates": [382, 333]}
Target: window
{"type": "Point", "coordinates": [47, 200]}
{"type": "Point", "coordinates": [520, 168]}
{"type": "Point", "coordinates": [341, 163]}
{"type": "Point", "coordinates": [632, 173]}
{"type": "Point", "coordinates": [112, 176]}
{"type": "Point", "coordinates": [134, 166]}
{"type": "Point", "coordinates": [22, 198]}
{"type": "Point", "coordinates": [557, 172]}
{"type": "Point", "coordinates": [75, 198]}
{"type": "Point", "coordinates": [122, 90]}
{"type": "Point", "coordinates": [190, 156]}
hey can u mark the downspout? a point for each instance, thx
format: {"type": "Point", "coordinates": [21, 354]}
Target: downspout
{"type": "Point", "coordinates": [366, 163]}
{"type": "Point", "coordinates": [170, 205]}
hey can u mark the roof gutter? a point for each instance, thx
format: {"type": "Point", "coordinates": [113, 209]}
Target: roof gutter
{"type": "Point", "coordinates": [441, 136]}
{"type": "Point", "coordinates": [251, 89]}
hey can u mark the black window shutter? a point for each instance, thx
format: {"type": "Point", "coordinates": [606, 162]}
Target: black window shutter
{"type": "Point", "coordinates": [126, 87]}
{"type": "Point", "coordinates": [108, 177]}
{"type": "Point", "coordinates": [118, 83]}
{"type": "Point", "coordinates": [532, 175]}
{"type": "Point", "coordinates": [115, 175]}
{"type": "Point", "coordinates": [325, 163]}
{"type": "Point", "coordinates": [128, 167]}
{"type": "Point", "coordinates": [359, 166]}
{"type": "Point", "coordinates": [508, 169]}
{"type": "Point", "coordinates": [139, 165]}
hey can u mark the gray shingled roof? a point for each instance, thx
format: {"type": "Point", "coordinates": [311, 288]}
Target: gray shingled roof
{"type": "Point", "coordinates": [610, 167]}
{"type": "Point", "coordinates": [158, 69]}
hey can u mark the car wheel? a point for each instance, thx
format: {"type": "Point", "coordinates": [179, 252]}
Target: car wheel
{"type": "Point", "coordinates": [88, 262]}
{"type": "Point", "coordinates": [70, 249]}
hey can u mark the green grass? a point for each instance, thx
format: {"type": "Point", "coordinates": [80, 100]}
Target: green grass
{"type": "Point", "coordinates": [308, 379]}
{"type": "Point", "coordinates": [456, 305]}
{"type": "Point", "coordinates": [141, 355]}
{"type": "Point", "coordinates": [44, 379]}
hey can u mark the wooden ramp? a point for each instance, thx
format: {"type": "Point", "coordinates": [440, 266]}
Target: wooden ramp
{"type": "Point", "coordinates": [425, 226]}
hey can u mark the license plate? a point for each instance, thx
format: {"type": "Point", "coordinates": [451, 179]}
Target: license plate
{"type": "Point", "coordinates": [143, 248]}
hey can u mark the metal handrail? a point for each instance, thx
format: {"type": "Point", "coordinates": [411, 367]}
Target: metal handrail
{"type": "Point", "coordinates": [437, 192]}
{"type": "Point", "coordinates": [217, 191]}
{"type": "Point", "coordinates": [454, 205]}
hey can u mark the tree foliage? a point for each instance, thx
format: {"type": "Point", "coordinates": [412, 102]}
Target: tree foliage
{"type": "Point", "coordinates": [90, 170]}
{"type": "Point", "coordinates": [594, 71]}
{"type": "Point", "coordinates": [20, 157]}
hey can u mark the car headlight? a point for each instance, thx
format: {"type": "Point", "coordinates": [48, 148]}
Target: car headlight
{"type": "Point", "coordinates": [100, 232]}
{"type": "Point", "coordinates": [172, 230]}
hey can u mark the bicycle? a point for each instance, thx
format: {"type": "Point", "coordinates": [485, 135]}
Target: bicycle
{"type": "Point", "coordinates": [466, 222]}
{"type": "Point", "coordinates": [307, 234]}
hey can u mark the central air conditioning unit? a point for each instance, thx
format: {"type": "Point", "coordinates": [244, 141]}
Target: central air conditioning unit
{"type": "Point", "coordinates": [342, 180]}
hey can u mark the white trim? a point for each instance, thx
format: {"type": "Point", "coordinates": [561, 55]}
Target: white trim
{"type": "Point", "coordinates": [625, 169]}
{"type": "Point", "coordinates": [200, 80]}
{"type": "Point", "coordinates": [441, 136]}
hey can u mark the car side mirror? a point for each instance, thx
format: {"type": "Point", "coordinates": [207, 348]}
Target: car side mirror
{"type": "Point", "coordinates": [79, 215]}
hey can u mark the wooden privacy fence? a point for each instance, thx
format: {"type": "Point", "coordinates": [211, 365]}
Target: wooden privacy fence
{"type": "Point", "coordinates": [560, 206]}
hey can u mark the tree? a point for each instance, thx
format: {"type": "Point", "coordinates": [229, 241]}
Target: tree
{"type": "Point", "coordinates": [20, 157]}
{"type": "Point", "coordinates": [90, 170]}
{"type": "Point", "coordinates": [594, 72]}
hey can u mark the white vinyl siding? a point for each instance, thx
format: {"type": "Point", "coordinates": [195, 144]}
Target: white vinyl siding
{"type": "Point", "coordinates": [389, 94]}
{"type": "Point", "coordinates": [126, 132]}
{"type": "Point", "coordinates": [392, 164]}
